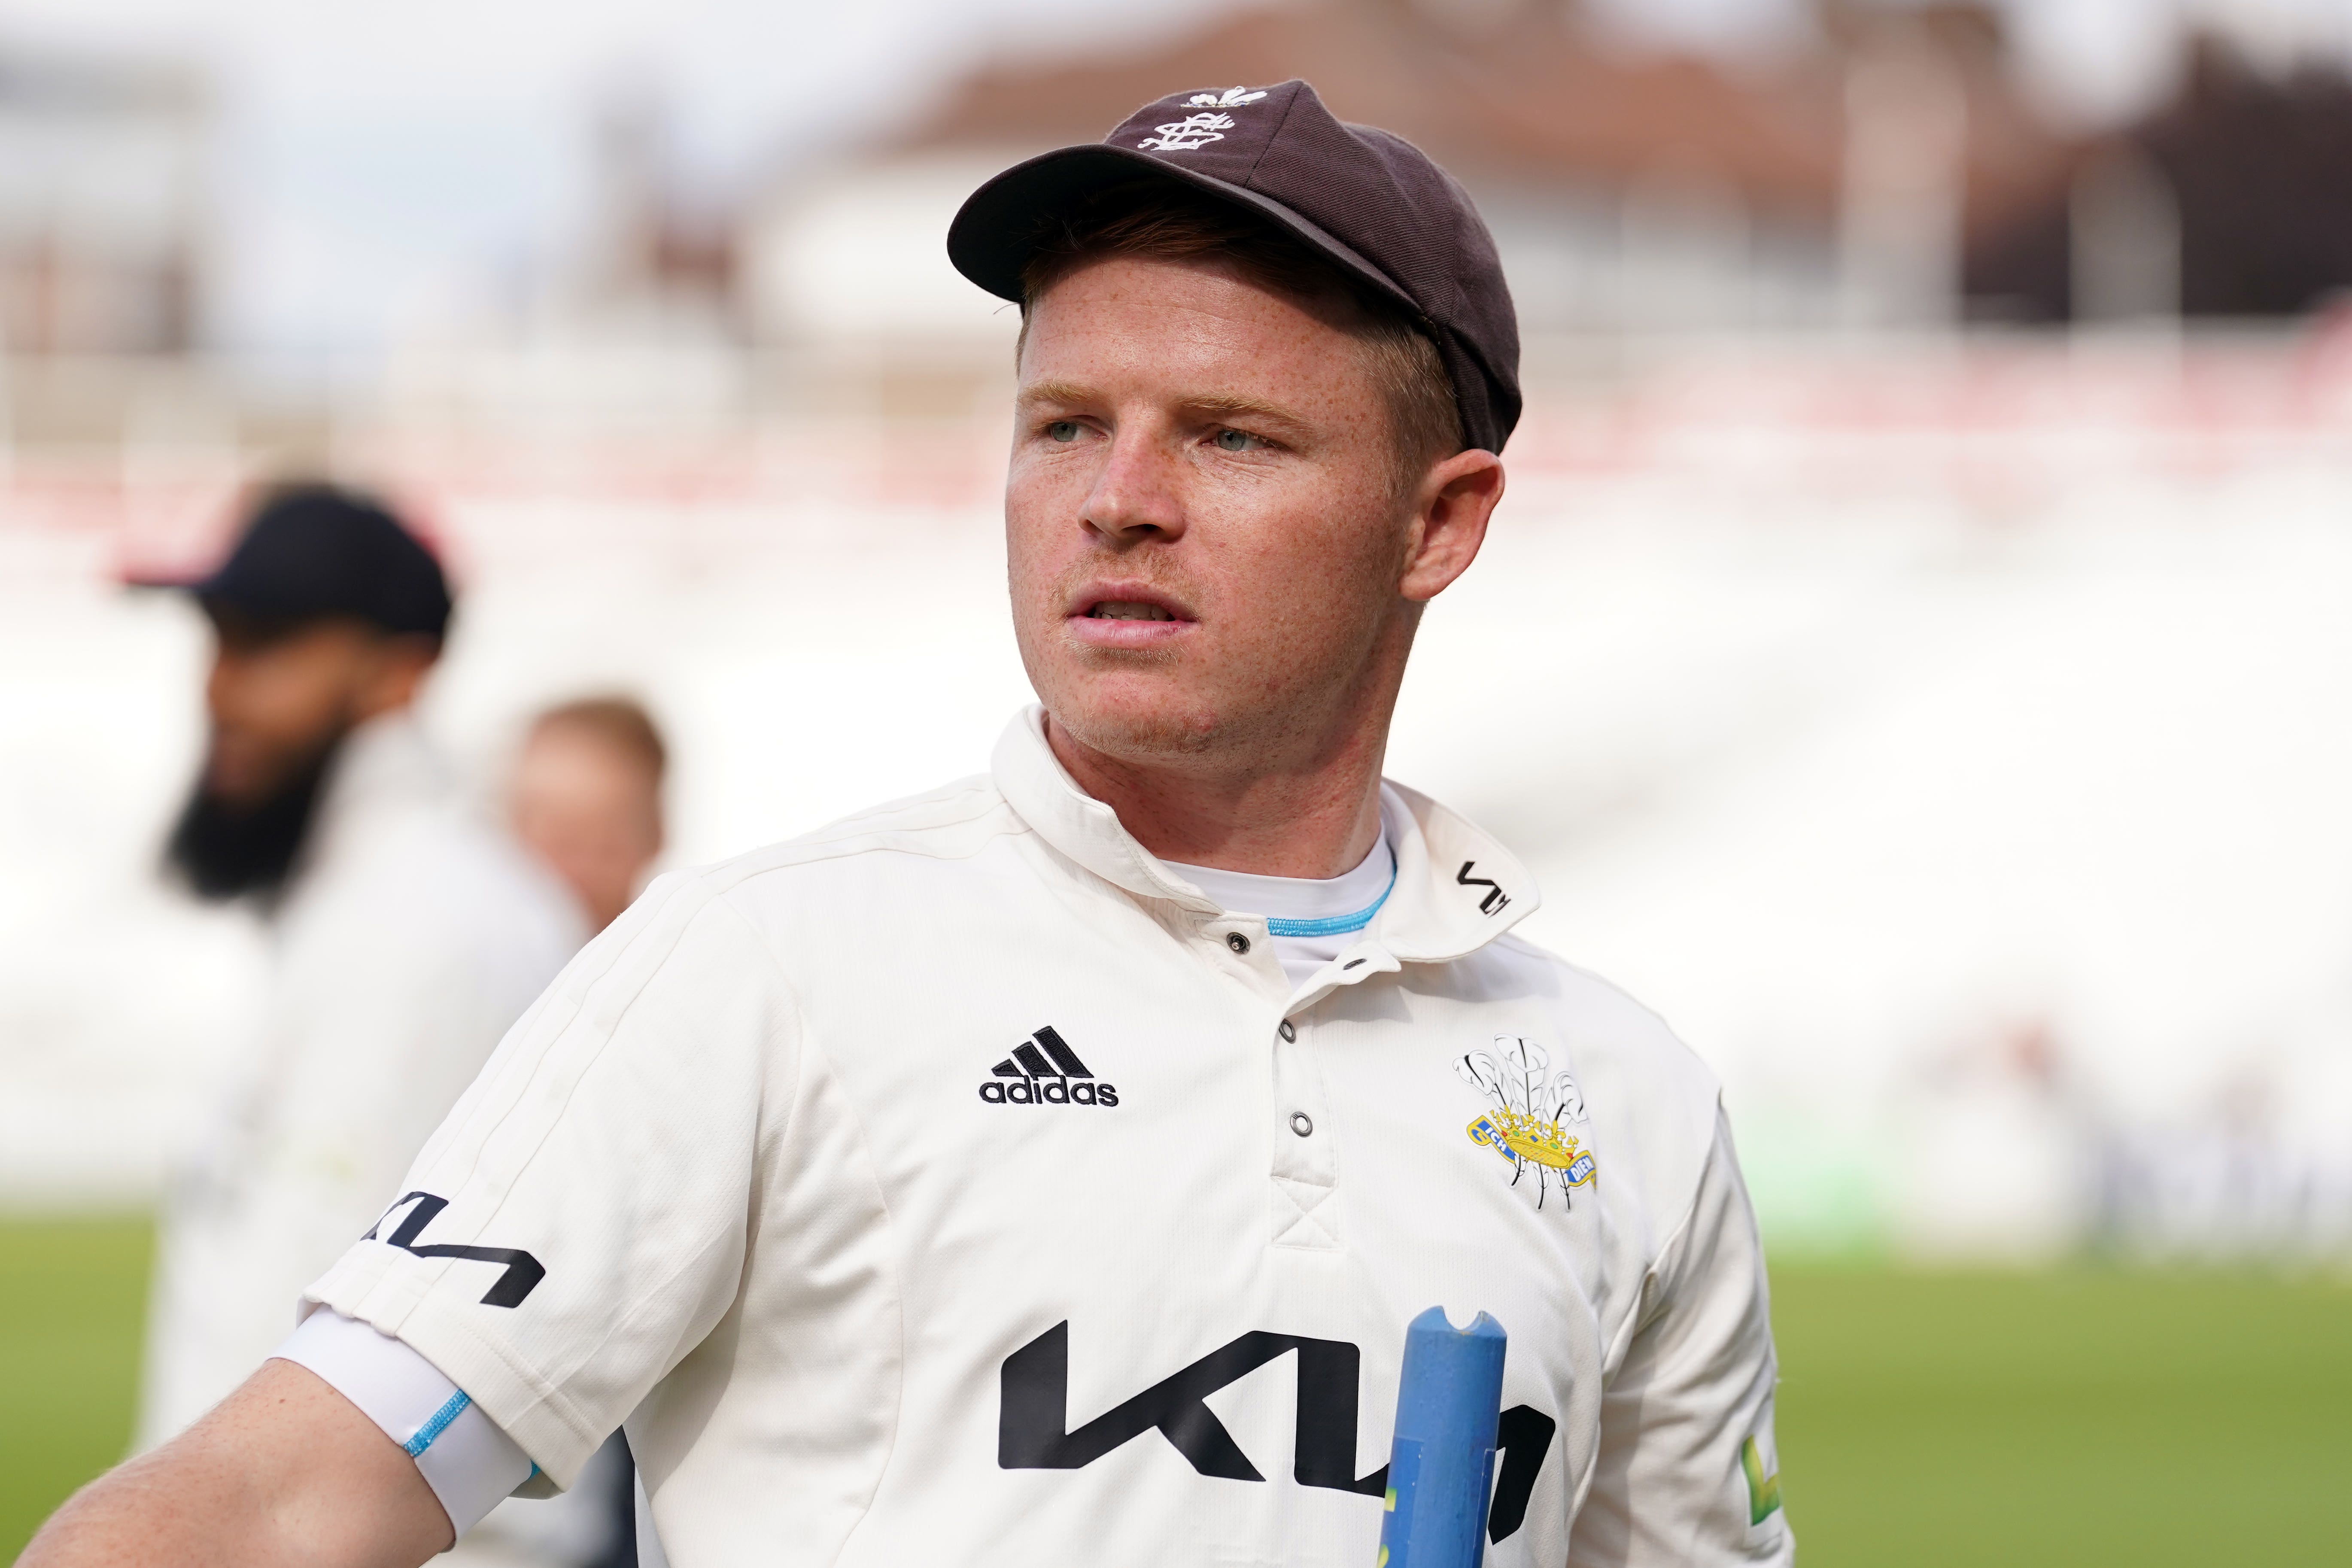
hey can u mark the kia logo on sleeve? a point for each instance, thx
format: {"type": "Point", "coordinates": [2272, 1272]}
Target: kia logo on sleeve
{"type": "Point", "coordinates": [520, 1271]}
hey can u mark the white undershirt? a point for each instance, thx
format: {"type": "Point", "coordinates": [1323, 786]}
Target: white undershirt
{"type": "Point", "coordinates": [1288, 903]}
{"type": "Point", "coordinates": [469, 1463]}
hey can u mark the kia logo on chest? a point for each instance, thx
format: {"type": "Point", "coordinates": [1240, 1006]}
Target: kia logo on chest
{"type": "Point", "coordinates": [1044, 1070]}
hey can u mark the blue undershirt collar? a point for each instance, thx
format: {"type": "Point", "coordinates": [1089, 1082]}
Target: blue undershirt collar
{"type": "Point", "coordinates": [1335, 925]}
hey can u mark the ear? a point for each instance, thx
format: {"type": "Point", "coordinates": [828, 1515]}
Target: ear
{"type": "Point", "coordinates": [1453, 502]}
{"type": "Point", "coordinates": [394, 674]}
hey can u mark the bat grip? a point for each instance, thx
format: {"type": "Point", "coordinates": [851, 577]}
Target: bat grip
{"type": "Point", "coordinates": [1442, 1460]}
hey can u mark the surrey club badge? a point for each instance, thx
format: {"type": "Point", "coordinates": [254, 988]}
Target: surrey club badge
{"type": "Point", "coordinates": [1533, 1106]}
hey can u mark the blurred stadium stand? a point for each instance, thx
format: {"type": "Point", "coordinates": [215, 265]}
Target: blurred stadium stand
{"type": "Point", "coordinates": [1925, 672]}
{"type": "Point", "coordinates": [100, 205]}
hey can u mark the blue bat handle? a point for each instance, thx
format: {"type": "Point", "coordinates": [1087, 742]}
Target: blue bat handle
{"type": "Point", "coordinates": [1442, 1463]}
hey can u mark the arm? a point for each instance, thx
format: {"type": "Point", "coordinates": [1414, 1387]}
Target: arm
{"type": "Point", "coordinates": [1688, 1471]}
{"type": "Point", "coordinates": [547, 1279]}
{"type": "Point", "coordinates": [652, 1054]}
{"type": "Point", "coordinates": [284, 1471]}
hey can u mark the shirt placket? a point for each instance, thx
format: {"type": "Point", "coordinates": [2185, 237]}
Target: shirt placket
{"type": "Point", "coordinates": [1305, 1209]}
{"type": "Point", "coordinates": [1306, 1165]}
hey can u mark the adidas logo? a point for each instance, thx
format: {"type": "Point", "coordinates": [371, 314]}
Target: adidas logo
{"type": "Point", "coordinates": [1044, 1070]}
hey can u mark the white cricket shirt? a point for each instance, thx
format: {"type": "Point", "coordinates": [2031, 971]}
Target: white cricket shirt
{"type": "Point", "coordinates": [959, 1184]}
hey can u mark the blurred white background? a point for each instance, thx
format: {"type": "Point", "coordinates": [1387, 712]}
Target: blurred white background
{"type": "Point", "coordinates": [1912, 655]}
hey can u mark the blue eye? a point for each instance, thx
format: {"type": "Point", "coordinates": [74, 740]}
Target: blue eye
{"type": "Point", "coordinates": [1234, 440]}
{"type": "Point", "coordinates": [1063, 430]}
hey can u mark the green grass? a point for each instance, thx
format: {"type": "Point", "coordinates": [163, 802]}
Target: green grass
{"type": "Point", "coordinates": [2081, 1416]}
{"type": "Point", "coordinates": [72, 1296]}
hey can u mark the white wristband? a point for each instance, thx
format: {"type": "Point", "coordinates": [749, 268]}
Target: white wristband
{"type": "Point", "coordinates": [470, 1465]}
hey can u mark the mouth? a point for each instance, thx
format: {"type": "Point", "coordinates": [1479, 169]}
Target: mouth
{"type": "Point", "coordinates": [1126, 615]}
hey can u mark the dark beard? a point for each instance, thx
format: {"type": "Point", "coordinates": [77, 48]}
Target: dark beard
{"type": "Point", "coordinates": [223, 851]}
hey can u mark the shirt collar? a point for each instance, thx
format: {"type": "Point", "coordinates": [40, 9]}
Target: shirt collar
{"type": "Point", "coordinates": [1456, 889]}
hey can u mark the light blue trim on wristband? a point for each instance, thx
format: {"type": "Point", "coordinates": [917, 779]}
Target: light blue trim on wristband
{"type": "Point", "coordinates": [450, 1410]}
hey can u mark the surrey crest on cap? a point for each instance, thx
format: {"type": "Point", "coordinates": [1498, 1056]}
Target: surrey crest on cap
{"type": "Point", "coordinates": [1198, 130]}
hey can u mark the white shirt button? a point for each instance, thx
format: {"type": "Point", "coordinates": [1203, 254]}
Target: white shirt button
{"type": "Point", "coordinates": [1302, 1123]}
{"type": "Point", "coordinates": [1286, 1031]}
{"type": "Point", "coordinates": [1237, 941]}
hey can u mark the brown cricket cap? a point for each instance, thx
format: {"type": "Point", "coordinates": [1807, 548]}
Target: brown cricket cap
{"type": "Point", "coordinates": [1370, 201]}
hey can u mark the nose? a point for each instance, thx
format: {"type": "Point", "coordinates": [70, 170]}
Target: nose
{"type": "Point", "coordinates": [1138, 494]}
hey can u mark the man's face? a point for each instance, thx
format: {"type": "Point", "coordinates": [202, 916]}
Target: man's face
{"type": "Point", "coordinates": [592, 811]}
{"type": "Point", "coordinates": [1205, 533]}
{"type": "Point", "coordinates": [276, 697]}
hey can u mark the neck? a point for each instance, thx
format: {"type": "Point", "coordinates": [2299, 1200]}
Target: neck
{"type": "Point", "coordinates": [1315, 817]}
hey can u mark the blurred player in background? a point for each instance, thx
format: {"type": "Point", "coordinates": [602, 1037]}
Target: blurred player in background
{"type": "Point", "coordinates": [586, 799]}
{"type": "Point", "coordinates": [407, 934]}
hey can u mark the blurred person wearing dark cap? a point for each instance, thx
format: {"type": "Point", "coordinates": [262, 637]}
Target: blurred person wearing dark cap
{"type": "Point", "coordinates": [406, 935]}
{"type": "Point", "coordinates": [911, 1188]}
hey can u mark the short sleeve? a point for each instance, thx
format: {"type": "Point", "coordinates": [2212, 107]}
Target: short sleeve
{"type": "Point", "coordinates": [579, 1223]}
{"type": "Point", "coordinates": [1688, 1473]}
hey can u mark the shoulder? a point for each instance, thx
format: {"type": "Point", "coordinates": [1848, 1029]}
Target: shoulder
{"type": "Point", "coordinates": [834, 869]}
{"type": "Point", "coordinates": [1621, 1025]}
{"type": "Point", "coordinates": [1648, 1092]}
{"type": "Point", "coordinates": [709, 941]}
{"type": "Point", "coordinates": [953, 822]}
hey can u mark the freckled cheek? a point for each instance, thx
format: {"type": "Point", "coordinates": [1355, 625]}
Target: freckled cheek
{"type": "Point", "coordinates": [1273, 580]}
{"type": "Point", "coordinates": [1324, 576]}
{"type": "Point", "coordinates": [1035, 513]}
{"type": "Point", "coordinates": [1322, 536]}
